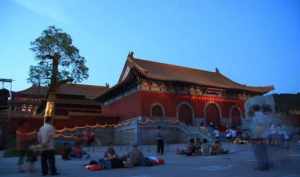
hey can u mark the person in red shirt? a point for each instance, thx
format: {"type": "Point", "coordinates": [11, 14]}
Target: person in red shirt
{"type": "Point", "coordinates": [24, 139]}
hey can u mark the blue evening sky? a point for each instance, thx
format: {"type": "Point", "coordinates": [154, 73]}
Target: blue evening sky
{"type": "Point", "coordinates": [254, 42]}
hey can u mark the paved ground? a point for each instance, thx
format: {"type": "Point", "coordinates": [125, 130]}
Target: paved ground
{"type": "Point", "coordinates": [240, 163]}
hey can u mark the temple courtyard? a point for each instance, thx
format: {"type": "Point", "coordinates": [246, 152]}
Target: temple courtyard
{"type": "Point", "coordinates": [239, 163]}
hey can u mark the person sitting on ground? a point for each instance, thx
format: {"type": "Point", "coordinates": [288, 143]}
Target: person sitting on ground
{"type": "Point", "coordinates": [66, 151]}
{"type": "Point", "coordinates": [111, 155]}
{"type": "Point", "coordinates": [89, 138]}
{"type": "Point", "coordinates": [233, 133]}
{"type": "Point", "coordinates": [228, 134]}
{"type": "Point", "coordinates": [190, 149]}
{"type": "Point", "coordinates": [216, 133]}
{"type": "Point", "coordinates": [134, 158]}
{"type": "Point", "coordinates": [217, 149]}
{"type": "Point", "coordinates": [205, 148]}
{"type": "Point", "coordinates": [78, 152]}
{"type": "Point", "coordinates": [198, 146]}
{"type": "Point", "coordinates": [239, 140]}
{"type": "Point", "coordinates": [245, 136]}
{"type": "Point", "coordinates": [203, 128]}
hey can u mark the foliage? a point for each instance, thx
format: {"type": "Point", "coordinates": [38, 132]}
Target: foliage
{"type": "Point", "coordinates": [54, 41]}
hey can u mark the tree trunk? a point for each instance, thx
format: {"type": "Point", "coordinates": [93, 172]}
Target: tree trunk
{"type": "Point", "coordinates": [50, 106]}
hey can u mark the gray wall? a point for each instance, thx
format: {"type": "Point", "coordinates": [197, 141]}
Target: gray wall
{"type": "Point", "coordinates": [171, 135]}
{"type": "Point", "coordinates": [133, 133]}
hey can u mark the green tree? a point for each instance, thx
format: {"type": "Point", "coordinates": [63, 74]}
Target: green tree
{"type": "Point", "coordinates": [58, 59]}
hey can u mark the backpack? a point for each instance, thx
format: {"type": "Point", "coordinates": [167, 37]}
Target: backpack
{"type": "Point", "coordinates": [156, 160]}
{"type": "Point", "coordinates": [94, 166]}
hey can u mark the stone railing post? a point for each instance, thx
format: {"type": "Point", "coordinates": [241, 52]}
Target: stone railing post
{"type": "Point", "coordinates": [138, 131]}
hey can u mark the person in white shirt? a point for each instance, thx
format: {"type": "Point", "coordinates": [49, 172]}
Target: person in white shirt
{"type": "Point", "coordinates": [233, 133]}
{"type": "Point", "coordinates": [259, 134]}
{"type": "Point", "coordinates": [46, 139]}
{"type": "Point", "coordinates": [216, 133]}
{"type": "Point", "coordinates": [228, 134]}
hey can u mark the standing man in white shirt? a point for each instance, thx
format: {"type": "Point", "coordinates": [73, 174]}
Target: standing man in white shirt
{"type": "Point", "coordinates": [259, 129]}
{"type": "Point", "coordinates": [46, 138]}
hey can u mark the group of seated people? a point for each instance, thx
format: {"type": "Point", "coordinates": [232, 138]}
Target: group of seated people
{"type": "Point", "coordinates": [199, 147]}
{"type": "Point", "coordinates": [76, 151]}
{"type": "Point", "coordinates": [112, 160]}
{"type": "Point", "coordinates": [236, 136]}
{"type": "Point", "coordinates": [233, 134]}
{"type": "Point", "coordinates": [134, 158]}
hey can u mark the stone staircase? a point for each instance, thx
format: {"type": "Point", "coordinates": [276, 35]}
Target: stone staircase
{"type": "Point", "coordinates": [187, 131]}
{"type": "Point", "coordinates": [194, 132]}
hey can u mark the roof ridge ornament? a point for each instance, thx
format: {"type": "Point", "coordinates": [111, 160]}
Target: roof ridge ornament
{"type": "Point", "coordinates": [131, 54]}
{"type": "Point", "coordinates": [130, 59]}
{"type": "Point", "coordinates": [217, 70]}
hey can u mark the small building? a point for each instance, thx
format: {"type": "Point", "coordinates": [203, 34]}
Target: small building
{"type": "Point", "coordinates": [74, 106]}
{"type": "Point", "coordinates": [70, 100]}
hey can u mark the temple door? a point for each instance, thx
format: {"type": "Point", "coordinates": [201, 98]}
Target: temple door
{"type": "Point", "coordinates": [157, 111]}
{"type": "Point", "coordinates": [235, 117]}
{"type": "Point", "coordinates": [185, 114]}
{"type": "Point", "coordinates": [213, 114]}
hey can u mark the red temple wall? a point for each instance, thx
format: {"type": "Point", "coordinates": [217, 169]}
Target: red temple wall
{"type": "Point", "coordinates": [127, 107]}
{"type": "Point", "coordinates": [170, 102]}
{"type": "Point", "coordinates": [140, 103]}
